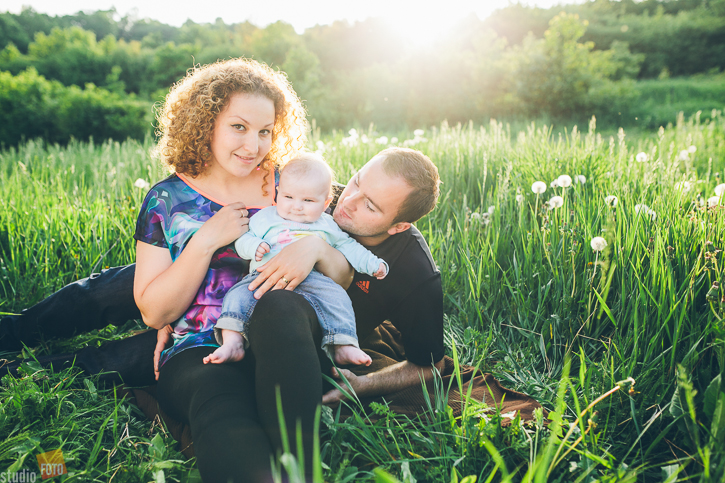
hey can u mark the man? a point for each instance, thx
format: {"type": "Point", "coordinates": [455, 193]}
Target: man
{"type": "Point", "coordinates": [377, 207]}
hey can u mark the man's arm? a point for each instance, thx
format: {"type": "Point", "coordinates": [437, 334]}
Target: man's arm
{"type": "Point", "coordinates": [385, 381]}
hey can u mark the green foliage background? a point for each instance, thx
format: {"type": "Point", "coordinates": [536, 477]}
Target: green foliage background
{"type": "Point", "coordinates": [622, 61]}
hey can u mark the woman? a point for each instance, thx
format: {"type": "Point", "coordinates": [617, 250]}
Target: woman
{"type": "Point", "coordinates": [226, 128]}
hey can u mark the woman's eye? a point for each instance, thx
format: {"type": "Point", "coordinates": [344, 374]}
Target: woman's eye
{"type": "Point", "coordinates": [239, 127]}
{"type": "Point", "coordinates": [265, 132]}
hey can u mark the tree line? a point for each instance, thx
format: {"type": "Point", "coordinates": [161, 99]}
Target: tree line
{"type": "Point", "coordinates": [98, 73]}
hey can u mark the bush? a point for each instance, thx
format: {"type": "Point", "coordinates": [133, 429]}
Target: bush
{"type": "Point", "coordinates": [32, 106]}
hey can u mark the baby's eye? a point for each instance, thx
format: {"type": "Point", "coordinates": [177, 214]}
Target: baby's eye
{"type": "Point", "coordinates": [288, 197]}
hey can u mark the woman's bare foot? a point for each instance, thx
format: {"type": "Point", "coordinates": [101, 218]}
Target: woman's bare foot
{"type": "Point", "coordinates": [349, 354]}
{"type": "Point", "coordinates": [231, 350]}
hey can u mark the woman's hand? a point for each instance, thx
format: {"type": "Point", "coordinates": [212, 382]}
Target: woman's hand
{"type": "Point", "coordinates": [163, 338]}
{"type": "Point", "coordinates": [289, 267]}
{"type": "Point", "coordinates": [224, 227]}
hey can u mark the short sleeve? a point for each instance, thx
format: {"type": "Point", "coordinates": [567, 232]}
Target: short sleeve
{"type": "Point", "coordinates": [151, 220]}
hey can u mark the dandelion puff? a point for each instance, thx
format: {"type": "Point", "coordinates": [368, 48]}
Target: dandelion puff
{"type": "Point", "coordinates": [554, 184]}
{"type": "Point", "coordinates": [611, 200]}
{"type": "Point", "coordinates": [393, 140]}
{"type": "Point", "coordinates": [564, 180]}
{"type": "Point", "coordinates": [418, 133]}
{"type": "Point", "coordinates": [642, 157]}
{"type": "Point", "coordinates": [475, 217]}
{"type": "Point", "coordinates": [556, 202]}
{"type": "Point", "coordinates": [713, 201]}
{"type": "Point", "coordinates": [720, 189]}
{"type": "Point", "coordinates": [692, 149]}
{"type": "Point", "coordinates": [320, 146]}
{"type": "Point", "coordinates": [598, 243]}
{"type": "Point", "coordinates": [352, 132]}
{"type": "Point", "coordinates": [684, 186]}
{"type": "Point", "coordinates": [539, 187]}
{"type": "Point", "coordinates": [519, 198]}
{"type": "Point", "coordinates": [580, 179]}
{"type": "Point", "coordinates": [141, 184]}
{"type": "Point", "coordinates": [382, 140]}
{"type": "Point", "coordinates": [641, 208]}
{"type": "Point", "coordinates": [491, 209]}
{"type": "Point", "coordinates": [684, 155]}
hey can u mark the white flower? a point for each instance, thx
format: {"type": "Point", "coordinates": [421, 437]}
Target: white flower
{"type": "Point", "coordinates": [554, 184]}
{"type": "Point", "coordinates": [364, 139]}
{"type": "Point", "coordinates": [491, 209]}
{"type": "Point", "coordinates": [382, 140]}
{"type": "Point", "coordinates": [320, 146]}
{"type": "Point", "coordinates": [713, 201]}
{"type": "Point", "coordinates": [611, 200]}
{"type": "Point", "coordinates": [683, 186]}
{"type": "Point", "coordinates": [556, 202]}
{"type": "Point", "coordinates": [642, 157]}
{"type": "Point", "coordinates": [394, 141]}
{"type": "Point", "coordinates": [475, 217]}
{"type": "Point", "coordinates": [564, 180]}
{"type": "Point", "coordinates": [141, 184]}
{"type": "Point", "coordinates": [580, 179]}
{"type": "Point", "coordinates": [538, 187]}
{"type": "Point", "coordinates": [418, 133]}
{"type": "Point", "coordinates": [720, 189]}
{"type": "Point", "coordinates": [520, 198]}
{"type": "Point", "coordinates": [645, 210]}
{"type": "Point", "coordinates": [410, 142]}
{"type": "Point", "coordinates": [684, 155]}
{"type": "Point", "coordinates": [598, 243]}
{"type": "Point", "coordinates": [352, 133]}
{"type": "Point", "coordinates": [692, 149]}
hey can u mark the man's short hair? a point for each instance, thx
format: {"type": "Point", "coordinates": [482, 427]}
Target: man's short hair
{"type": "Point", "coordinates": [421, 174]}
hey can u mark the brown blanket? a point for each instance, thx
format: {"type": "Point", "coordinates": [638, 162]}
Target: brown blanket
{"type": "Point", "coordinates": [385, 348]}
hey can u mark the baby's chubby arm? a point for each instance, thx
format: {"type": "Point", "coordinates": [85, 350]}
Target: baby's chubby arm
{"type": "Point", "coordinates": [361, 259]}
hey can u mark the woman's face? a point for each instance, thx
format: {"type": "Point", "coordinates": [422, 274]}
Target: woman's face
{"type": "Point", "coordinates": [242, 135]}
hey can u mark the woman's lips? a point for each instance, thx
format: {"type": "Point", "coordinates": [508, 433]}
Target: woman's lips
{"type": "Point", "coordinates": [246, 159]}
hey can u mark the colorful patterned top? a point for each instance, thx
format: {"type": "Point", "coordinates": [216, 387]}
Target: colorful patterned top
{"type": "Point", "coordinates": [172, 212]}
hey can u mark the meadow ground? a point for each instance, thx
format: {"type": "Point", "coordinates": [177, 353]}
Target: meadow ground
{"type": "Point", "coordinates": [625, 343]}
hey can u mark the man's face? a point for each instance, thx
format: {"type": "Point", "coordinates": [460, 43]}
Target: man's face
{"type": "Point", "coordinates": [371, 201]}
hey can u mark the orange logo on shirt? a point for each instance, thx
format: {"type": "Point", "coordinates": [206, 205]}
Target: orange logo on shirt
{"type": "Point", "coordinates": [364, 286]}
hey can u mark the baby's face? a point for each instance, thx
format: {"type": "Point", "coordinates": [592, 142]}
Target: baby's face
{"type": "Point", "coordinates": [302, 199]}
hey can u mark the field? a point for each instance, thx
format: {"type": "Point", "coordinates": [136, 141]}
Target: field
{"type": "Point", "coordinates": [625, 345]}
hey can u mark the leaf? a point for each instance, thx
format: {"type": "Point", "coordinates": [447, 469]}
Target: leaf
{"type": "Point", "coordinates": [711, 396]}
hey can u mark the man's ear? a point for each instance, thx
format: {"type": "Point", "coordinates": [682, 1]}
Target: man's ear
{"type": "Point", "coordinates": [328, 201]}
{"type": "Point", "coordinates": [398, 228]}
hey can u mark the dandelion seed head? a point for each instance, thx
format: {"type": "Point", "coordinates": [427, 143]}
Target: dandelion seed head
{"type": "Point", "coordinates": [519, 198]}
{"type": "Point", "coordinates": [713, 201]}
{"type": "Point", "coordinates": [141, 184]}
{"type": "Point", "coordinates": [564, 180]}
{"type": "Point", "coordinates": [683, 186]}
{"type": "Point", "coordinates": [393, 140]}
{"type": "Point", "coordinates": [642, 157]}
{"type": "Point", "coordinates": [418, 133]}
{"type": "Point", "coordinates": [692, 149]}
{"type": "Point", "coordinates": [554, 184]}
{"type": "Point", "coordinates": [538, 187]}
{"type": "Point", "coordinates": [491, 209]}
{"type": "Point", "coordinates": [382, 140]}
{"type": "Point", "coordinates": [580, 179]}
{"type": "Point", "coordinates": [598, 243]}
{"type": "Point", "coordinates": [475, 217]}
{"type": "Point", "coordinates": [611, 200]}
{"type": "Point", "coordinates": [556, 202]}
{"type": "Point", "coordinates": [720, 189]}
{"type": "Point", "coordinates": [684, 155]}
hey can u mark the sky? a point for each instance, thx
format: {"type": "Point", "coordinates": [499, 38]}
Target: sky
{"type": "Point", "coordinates": [413, 18]}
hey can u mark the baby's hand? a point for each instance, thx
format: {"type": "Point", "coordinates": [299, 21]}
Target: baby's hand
{"type": "Point", "coordinates": [262, 249]}
{"type": "Point", "coordinates": [382, 272]}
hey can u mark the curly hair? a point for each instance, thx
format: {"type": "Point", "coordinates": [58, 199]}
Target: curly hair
{"type": "Point", "coordinates": [186, 121]}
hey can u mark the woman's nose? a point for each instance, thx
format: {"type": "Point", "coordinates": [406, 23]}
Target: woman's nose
{"type": "Point", "coordinates": [251, 145]}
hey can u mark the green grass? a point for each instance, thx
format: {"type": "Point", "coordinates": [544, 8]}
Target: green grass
{"type": "Point", "coordinates": [526, 298]}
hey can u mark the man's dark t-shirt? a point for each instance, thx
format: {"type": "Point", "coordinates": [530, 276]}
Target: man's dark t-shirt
{"type": "Point", "coordinates": [411, 297]}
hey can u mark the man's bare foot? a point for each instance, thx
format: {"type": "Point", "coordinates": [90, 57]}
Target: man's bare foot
{"type": "Point", "coordinates": [349, 354]}
{"type": "Point", "coordinates": [232, 350]}
{"type": "Point", "coordinates": [226, 353]}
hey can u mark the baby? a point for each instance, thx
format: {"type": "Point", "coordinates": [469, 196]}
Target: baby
{"type": "Point", "coordinates": [304, 193]}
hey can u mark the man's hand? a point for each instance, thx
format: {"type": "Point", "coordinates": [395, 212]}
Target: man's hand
{"type": "Point", "coordinates": [332, 398]}
{"type": "Point", "coordinates": [163, 337]}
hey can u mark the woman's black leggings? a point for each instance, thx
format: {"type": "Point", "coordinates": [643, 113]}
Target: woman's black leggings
{"type": "Point", "coordinates": [231, 408]}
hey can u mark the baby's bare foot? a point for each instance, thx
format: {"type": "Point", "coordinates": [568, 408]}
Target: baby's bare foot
{"type": "Point", "coordinates": [348, 354]}
{"type": "Point", "coordinates": [226, 353]}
